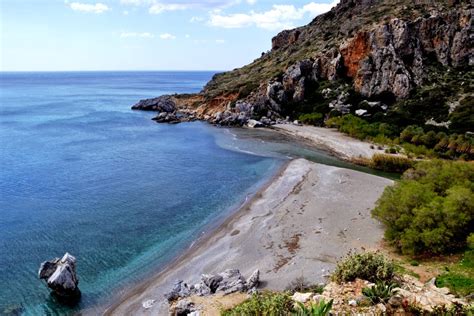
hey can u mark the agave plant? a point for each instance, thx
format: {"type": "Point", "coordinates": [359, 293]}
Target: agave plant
{"type": "Point", "coordinates": [320, 309]}
{"type": "Point", "coordinates": [380, 292]}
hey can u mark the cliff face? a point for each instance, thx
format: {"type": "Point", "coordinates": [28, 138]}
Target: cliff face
{"type": "Point", "coordinates": [383, 50]}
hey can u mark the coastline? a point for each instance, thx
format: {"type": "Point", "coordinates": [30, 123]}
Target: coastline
{"type": "Point", "coordinates": [342, 146]}
{"type": "Point", "coordinates": [208, 232]}
{"type": "Point", "coordinates": [299, 221]}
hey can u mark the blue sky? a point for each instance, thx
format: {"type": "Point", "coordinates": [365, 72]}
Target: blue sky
{"type": "Point", "coordinates": [63, 35]}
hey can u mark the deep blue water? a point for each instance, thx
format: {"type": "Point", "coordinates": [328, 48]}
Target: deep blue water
{"type": "Point", "coordinates": [83, 173]}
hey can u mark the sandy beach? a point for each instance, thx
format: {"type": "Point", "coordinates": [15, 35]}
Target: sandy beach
{"type": "Point", "coordinates": [342, 146]}
{"type": "Point", "coordinates": [300, 224]}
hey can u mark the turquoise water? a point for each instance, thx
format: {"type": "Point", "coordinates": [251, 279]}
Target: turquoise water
{"type": "Point", "coordinates": [83, 173]}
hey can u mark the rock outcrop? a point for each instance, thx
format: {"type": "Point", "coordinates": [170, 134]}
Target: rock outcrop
{"type": "Point", "coordinates": [383, 49]}
{"type": "Point", "coordinates": [227, 282]}
{"type": "Point", "coordinates": [60, 275]}
{"type": "Point", "coordinates": [163, 103]}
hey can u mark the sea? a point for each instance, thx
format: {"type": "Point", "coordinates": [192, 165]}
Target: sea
{"type": "Point", "coordinates": [83, 173]}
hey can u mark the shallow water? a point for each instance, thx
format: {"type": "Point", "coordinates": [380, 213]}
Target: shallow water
{"type": "Point", "coordinates": [83, 173]}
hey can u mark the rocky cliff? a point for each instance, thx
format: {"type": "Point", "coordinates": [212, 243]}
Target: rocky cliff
{"type": "Point", "coordinates": [372, 58]}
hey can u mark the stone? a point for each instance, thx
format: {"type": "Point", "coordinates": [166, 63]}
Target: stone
{"type": "Point", "coordinates": [232, 281]}
{"type": "Point", "coordinates": [163, 103]}
{"type": "Point", "coordinates": [352, 303]}
{"type": "Point", "coordinates": [254, 124]}
{"type": "Point", "coordinates": [301, 297]}
{"type": "Point", "coordinates": [148, 304]}
{"type": "Point", "coordinates": [395, 301]}
{"type": "Point", "coordinates": [61, 277]}
{"type": "Point", "coordinates": [360, 112]}
{"type": "Point", "coordinates": [183, 308]}
{"type": "Point", "coordinates": [254, 280]}
{"type": "Point", "coordinates": [179, 290]}
{"type": "Point", "coordinates": [211, 281]}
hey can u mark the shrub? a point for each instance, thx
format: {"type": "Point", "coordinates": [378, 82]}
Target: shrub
{"type": "Point", "coordinates": [320, 309]}
{"type": "Point", "coordinates": [431, 209]}
{"type": "Point", "coordinates": [390, 163]}
{"type": "Point", "coordinates": [264, 304]}
{"type": "Point", "coordinates": [311, 118]}
{"type": "Point", "coordinates": [369, 266]}
{"type": "Point", "coordinates": [381, 292]}
{"type": "Point", "coordinates": [470, 241]}
{"type": "Point", "coordinates": [300, 284]}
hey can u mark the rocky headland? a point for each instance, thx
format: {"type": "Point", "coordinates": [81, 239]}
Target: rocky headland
{"type": "Point", "coordinates": [364, 57]}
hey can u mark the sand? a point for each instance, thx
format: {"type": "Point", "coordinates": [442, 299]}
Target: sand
{"type": "Point", "coordinates": [299, 225]}
{"type": "Point", "coordinates": [341, 145]}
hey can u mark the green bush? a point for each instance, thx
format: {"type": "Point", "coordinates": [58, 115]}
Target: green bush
{"type": "Point", "coordinates": [390, 163]}
{"type": "Point", "coordinates": [359, 128]}
{"type": "Point", "coordinates": [320, 309]}
{"type": "Point", "coordinates": [381, 292]}
{"type": "Point", "coordinates": [311, 118]}
{"type": "Point", "coordinates": [431, 210]}
{"type": "Point", "coordinates": [300, 284]}
{"type": "Point", "coordinates": [368, 266]}
{"type": "Point", "coordinates": [263, 304]}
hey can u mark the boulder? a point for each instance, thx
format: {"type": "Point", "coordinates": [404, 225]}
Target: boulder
{"type": "Point", "coordinates": [301, 297]}
{"type": "Point", "coordinates": [253, 280]}
{"type": "Point", "coordinates": [61, 277]}
{"type": "Point", "coordinates": [183, 308]}
{"type": "Point", "coordinates": [254, 124]}
{"type": "Point", "coordinates": [180, 289]}
{"type": "Point", "coordinates": [232, 281]}
{"type": "Point", "coordinates": [163, 103]}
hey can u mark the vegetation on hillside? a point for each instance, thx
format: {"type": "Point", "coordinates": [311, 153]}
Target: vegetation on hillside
{"type": "Point", "coordinates": [368, 266]}
{"type": "Point", "coordinates": [431, 210]}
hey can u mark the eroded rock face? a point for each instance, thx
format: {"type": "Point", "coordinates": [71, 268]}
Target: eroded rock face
{"type": "Point", "coordinates": [162, 103]}
{"type": "Point", "coordinates": [285, 38]}
{"type": "Point", "coordinates": [61, 277]}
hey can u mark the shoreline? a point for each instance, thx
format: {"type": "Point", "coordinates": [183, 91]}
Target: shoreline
{"type": "Point", "coordinates": [340, 145]}
{"type": "Point", "coordinates": [281, 212]}
{"type": "Point", "coordinates": [208, 232]}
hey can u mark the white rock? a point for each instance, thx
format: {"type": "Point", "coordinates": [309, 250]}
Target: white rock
{"type": "Point", "coordinates": [360, 112]}
{"type": "Point", "coordinates": [148, 304]}
{"type": "Point", "coordinates": [301, 297]}
{"type": "Point", "coordinates": [352, 303]}
{"type": "Point", "coordinates": [254, 124]}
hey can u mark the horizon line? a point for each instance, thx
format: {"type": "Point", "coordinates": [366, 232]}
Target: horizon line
{"type": "Point", "coordinates": [122, 70]}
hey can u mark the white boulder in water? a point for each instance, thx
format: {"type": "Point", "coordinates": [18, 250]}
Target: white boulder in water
{"type": "Point", "coordinates": [61, 277]}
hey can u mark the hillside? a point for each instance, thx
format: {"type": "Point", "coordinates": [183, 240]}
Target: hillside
{"type": "Point", "coordinates": [401, 62]}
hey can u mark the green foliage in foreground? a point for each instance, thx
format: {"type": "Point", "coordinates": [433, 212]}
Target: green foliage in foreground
{"type": "Point", "coordinates": [320, 309]}
{"type": "Point", "coordinates": [263, 304]}
{"type": "Point", "coordinates": [459, 278]}
{"type": "Point", "coordinates": [381, 292]}
{"type": "Point", "coordinates": [431, 210]}
{"type": "Point", "coordinates": [369, 266]}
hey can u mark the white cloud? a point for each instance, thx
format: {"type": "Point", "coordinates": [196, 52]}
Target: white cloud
{"type": "Point", "coordinates": [196, 19]}
{"type": "Point", "coordinates": [277, 18]}
{"type": "Point", "coordinates": [220, 41]}
{"type": "Point", "coordinates": [158, 8]}
{"type": "Point", "coordinates": [251, 1]}
{"type": "Point", "coordinates": [167, 36]}
{"type": "Point", "coordinates": [134, 34]}
{"type": "Point", "coordinates": [89, 8]}
{"type": "Point", "coordinates": [187, 36]}
{"type": "Point", "coordinates": [125, 12]}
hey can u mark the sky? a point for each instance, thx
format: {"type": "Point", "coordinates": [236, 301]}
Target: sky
{"type": "Point", "coordinates": [79, 35]}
